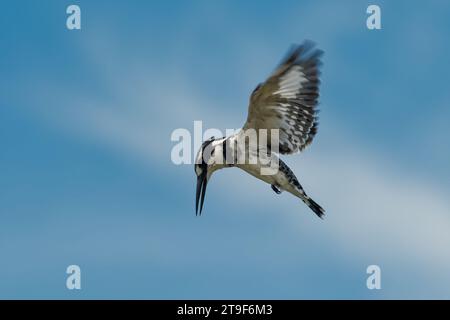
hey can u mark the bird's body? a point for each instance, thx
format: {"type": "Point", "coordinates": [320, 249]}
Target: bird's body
{"type": "Point", "coordinates": [281, 119]}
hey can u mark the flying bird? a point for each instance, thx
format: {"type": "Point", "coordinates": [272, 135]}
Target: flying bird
{"type": "Point", "coordinates": [285, 105]}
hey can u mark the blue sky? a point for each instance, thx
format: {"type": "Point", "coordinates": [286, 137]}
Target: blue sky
{"type": "Point", "coordinates": [85, 124]}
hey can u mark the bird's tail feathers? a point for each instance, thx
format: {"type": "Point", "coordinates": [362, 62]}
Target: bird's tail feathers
{"type": "Point", "coordinates": [314, 206]}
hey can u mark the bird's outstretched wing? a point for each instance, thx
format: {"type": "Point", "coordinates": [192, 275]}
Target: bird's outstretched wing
{"type": "Point", "coordinates": [287, 100]}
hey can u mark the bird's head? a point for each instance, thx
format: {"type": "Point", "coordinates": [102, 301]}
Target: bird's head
{"type": "Point", "coordinates": [205, 165]}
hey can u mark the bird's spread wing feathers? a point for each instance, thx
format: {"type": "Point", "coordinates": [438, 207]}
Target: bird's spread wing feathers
{"type": "Point", "coordinates": [287, 100]}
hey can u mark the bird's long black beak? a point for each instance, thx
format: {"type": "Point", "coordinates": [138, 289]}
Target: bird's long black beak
{"type": "Point", "coordinates": [201, 190]}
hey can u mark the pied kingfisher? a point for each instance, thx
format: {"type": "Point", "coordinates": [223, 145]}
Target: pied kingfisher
{"type": "Point", "coordinates": [286, 101]}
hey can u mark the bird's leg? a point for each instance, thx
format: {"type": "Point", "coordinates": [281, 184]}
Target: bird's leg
{"type": "Point", "coordinates": [275, 188]}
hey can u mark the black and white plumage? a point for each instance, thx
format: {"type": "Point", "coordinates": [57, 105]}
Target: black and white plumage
{"type": "Point", "coordinates": [284, 104]}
